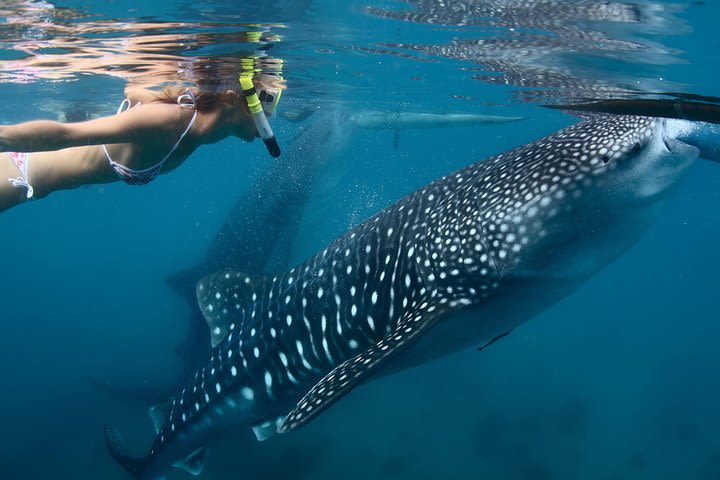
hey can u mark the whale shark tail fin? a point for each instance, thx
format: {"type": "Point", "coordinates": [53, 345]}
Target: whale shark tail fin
{"type": "Point", "coordinates": [118, 449]}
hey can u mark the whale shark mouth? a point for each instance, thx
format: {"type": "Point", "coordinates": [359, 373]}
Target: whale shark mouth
{"type": "Point", "coordinates": [666, 135]}
{"type": "Point", "coordinates": [660, 178]}
{"type": "Point", "coordinates": [668, 147]}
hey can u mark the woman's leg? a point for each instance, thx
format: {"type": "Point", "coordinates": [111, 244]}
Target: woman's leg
{"type": "Point", "coordinates": [48, 172]}
{"type": "Point", "coordinates": [13, 191]}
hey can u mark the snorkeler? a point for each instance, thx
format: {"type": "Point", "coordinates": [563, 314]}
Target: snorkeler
{"type": "Point", "coordinates": [152, 133]}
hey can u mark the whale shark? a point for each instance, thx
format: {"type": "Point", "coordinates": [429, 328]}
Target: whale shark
{"type": "Point", "coordinates": [258, 233]}
{"type": "Point", "coordinates": [455, 264]}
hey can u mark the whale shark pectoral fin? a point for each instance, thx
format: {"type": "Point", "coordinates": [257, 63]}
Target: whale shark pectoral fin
{"type": "Point", "coordinates": [502, 335]}
{"type": "Point", "coordinates": [224, 298]}
{"type": "Point", "coordinates": [160, 414]}
{"type": "Point", "coordinates": [195, 462]}
{"type": "Point", "coordinates": [354, 371]}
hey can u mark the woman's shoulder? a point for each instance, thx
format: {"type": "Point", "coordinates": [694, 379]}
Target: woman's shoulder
{"type": "Point", "coordinates": [157, 115]}
{"type": "Point", "coordinates": [144, 101]}
{"type": "Point", "coordinates": [136, 94]}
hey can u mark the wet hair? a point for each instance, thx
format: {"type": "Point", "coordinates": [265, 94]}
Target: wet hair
{"type": "Point", "coordinates": [207, 99]}
{"type": "Point", "coordinates": [204, 100]}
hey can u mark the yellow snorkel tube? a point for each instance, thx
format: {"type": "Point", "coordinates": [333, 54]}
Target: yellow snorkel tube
{"type": "Point", "coordinates": [258, 115]}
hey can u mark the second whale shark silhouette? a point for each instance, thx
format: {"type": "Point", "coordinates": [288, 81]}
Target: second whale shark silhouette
{"type": "Point", "coordinates": [455, 264]}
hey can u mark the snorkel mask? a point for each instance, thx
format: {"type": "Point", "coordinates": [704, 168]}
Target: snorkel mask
{"type": "Point", "coordinates": [269, 98]}
{"type": "Point", "coordinates": [259, 106]}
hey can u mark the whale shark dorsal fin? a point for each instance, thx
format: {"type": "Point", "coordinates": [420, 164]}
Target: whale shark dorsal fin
{"type": "Point", "coordinates": [160, 414]}
{"type": "Point", "coordinates": [225, 298]}
{"type": "Point", "coordinates": [353, 372]}
{"type": "Point", "coordinates": [195, 462]}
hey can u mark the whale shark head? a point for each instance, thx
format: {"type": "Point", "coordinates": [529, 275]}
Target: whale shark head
{"type": "Point", "coordinates": [643, 165]}
{"type": "Point", "coordinates": [567, 204]}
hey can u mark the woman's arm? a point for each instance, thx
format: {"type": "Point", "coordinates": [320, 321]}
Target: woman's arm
{"type": "Point", "coordinates": [34, 136]}
{"type": "Point", "coordinates": [139, 124]}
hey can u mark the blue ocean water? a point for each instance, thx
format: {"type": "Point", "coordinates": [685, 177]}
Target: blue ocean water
{"type": "Point", "coordinates": [619, 380]}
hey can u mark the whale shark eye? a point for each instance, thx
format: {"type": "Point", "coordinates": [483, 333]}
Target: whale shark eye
{"type": "Point", "coordinates": [636, 148]}
{"type": "Point", "coordinates": [605, 158]}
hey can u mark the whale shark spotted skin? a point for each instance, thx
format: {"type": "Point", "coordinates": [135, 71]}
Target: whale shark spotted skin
{"type": "Point", "coordinates": [456, 264]}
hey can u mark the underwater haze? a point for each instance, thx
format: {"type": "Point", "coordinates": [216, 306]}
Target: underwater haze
{"type": "Point", "coordinates": [617, 381]}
